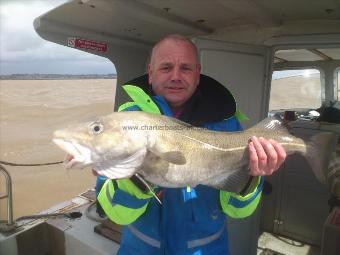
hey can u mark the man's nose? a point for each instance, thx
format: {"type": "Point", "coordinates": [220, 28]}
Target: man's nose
{"type": "Point", "coordinates": [176, 74]}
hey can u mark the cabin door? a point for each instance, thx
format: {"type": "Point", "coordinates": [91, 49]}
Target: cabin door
{"type": "Point", "coordinates": [297, 204]}
{"type": "Point", "coordinates": [246, 71]}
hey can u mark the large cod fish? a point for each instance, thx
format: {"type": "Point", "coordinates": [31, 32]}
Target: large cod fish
{"type": "Point", "coordinates": [171, 153]}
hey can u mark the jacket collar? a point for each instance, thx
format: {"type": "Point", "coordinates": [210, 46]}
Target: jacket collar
{"type": "Point", "coordinates": [211, 101]}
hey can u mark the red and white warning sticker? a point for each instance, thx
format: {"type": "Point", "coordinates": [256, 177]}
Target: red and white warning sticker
{"type": "Point", "coordinates": [87, 44]}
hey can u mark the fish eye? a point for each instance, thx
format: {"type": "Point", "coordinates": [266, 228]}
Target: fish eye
{"type": "Point", "coordinates": [96, 128]}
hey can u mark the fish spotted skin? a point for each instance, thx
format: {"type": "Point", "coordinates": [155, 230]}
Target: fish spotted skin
{"type": "Point", "coordinates": [171, 153]}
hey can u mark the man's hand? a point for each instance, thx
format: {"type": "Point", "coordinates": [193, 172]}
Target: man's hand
{"type": "Point", "coordinates": [265, 156]}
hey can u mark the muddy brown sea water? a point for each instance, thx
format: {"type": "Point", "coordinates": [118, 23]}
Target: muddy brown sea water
{"type": "Point", "coordinates": [30, 110]}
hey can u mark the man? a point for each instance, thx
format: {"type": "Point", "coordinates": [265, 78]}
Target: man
{"type": "Point", "coordinates": [190, 220]}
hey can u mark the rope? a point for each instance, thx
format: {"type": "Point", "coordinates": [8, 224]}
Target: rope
{"type": "Point", "coordinates": [41, 164]}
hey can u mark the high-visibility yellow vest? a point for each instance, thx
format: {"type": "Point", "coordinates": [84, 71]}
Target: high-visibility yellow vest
{"type": "Point", "coordinates": [110, 196]}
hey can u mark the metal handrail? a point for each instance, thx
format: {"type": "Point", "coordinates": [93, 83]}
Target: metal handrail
{"type": "Point", "coordinates": [8, 195]}
{"type": "Point", "coordinates": [11, 224]}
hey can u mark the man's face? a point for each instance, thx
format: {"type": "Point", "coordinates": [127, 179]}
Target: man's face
{"type": "Point", "coordinates": [174, 71]}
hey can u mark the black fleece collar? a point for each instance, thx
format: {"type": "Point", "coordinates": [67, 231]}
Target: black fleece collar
{"type": "Point", "coordinates": [211, 101]}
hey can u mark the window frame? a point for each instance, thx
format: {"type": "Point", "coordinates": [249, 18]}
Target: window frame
{"type": "Point", "coordinates": [337, 84]}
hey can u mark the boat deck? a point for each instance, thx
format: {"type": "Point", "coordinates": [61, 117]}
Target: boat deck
{"type": "Point", "coordinates": [270, 244]}
{"type": "Point", "coordinates": [64, 236]}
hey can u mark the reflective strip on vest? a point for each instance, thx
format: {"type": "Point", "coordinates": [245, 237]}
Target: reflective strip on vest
{"type": "Point", "coordinates": [120, 197]}
{"type": "Point", "coordinates": [147, 239]}
{"type": "Point", "coordinates": [191, 244]}
{"type": "Point", "coordinates": [241, 204]}
{"type": "Point", "coordinates": [108, 196]}
{"type": "Point", "coordinates": [205, 240]}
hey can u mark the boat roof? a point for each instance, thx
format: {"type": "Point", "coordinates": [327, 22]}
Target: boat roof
{"type": "Point", "coordinates": [141, 23]}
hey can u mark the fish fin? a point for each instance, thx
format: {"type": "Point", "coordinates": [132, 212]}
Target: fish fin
{"type": "Point", "coordinates": [319, 151]}
{"type": "Point", "coordinates": [272, 123]}
{"type": "Point", "coordinates": [149, 188]}
{"type": "Point", "coordinates": [234, 182]}
{"type": "Point", "coordinates": [174, 157]}
{"type": "Point", "coordinates": [113, 169]}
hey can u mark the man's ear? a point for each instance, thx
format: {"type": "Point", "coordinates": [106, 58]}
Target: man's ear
{"type": "Point", "coordinates": [199, 68]}
{"type": "Point", "coordinates": [198, 73]}
{"type": "Point", "coordinates": [150, 73]}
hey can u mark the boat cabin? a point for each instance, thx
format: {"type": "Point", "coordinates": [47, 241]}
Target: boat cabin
{"type": "Point", "coordinates": [274, 56]}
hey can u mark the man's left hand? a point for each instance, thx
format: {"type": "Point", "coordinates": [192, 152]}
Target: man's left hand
{"type": "Point", "coordinates": [265, 156]}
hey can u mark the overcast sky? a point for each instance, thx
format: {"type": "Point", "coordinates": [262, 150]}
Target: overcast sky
{"type": "Point", "coordinates": [23, 51]}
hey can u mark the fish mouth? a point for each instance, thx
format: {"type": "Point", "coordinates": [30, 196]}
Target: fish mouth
{"type": "Point", "coordinates": [77, 155]}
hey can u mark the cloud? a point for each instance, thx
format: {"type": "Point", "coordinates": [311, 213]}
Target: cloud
{"type": "Point", "coordinates": [23, 51]}
{"type": "Point", "coordinates": [17, 32]}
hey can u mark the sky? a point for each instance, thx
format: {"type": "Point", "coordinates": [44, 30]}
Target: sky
{"type": "Point", "coordinates": [23, 51]}
{"type": "Point", "coordinates": [290, 73]}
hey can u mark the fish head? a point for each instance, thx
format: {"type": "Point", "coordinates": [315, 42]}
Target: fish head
{"type": "Point", "coordinates": [103, 144]}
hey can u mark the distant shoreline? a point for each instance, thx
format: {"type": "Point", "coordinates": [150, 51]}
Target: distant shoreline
{"type": "Point", "coordinates": [57, 76]}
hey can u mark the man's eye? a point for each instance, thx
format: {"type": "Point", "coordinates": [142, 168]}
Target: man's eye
{"type": "Point", "coordinates": [186, 68]}
{"type": "Point", "coordinates": [165, 68]}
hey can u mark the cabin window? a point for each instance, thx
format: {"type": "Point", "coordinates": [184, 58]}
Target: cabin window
{"type": "Point", "coordinates": [295, 89]}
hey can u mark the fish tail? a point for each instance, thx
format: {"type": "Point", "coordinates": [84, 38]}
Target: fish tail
{"type": "Point", "coordinates": [319, 151]}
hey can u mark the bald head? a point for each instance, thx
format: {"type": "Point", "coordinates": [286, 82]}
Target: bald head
{"type": "Point", "coordinates": [174, 70]}
{"type": "Point", "coordinates": [174, 38]}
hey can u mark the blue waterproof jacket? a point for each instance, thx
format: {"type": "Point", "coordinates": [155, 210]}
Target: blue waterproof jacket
{"type": "Point", "coordinates": [190, 221]}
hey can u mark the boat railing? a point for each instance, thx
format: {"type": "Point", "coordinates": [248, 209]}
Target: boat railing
{"type": "Point", "coordinates": [9, 196]}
